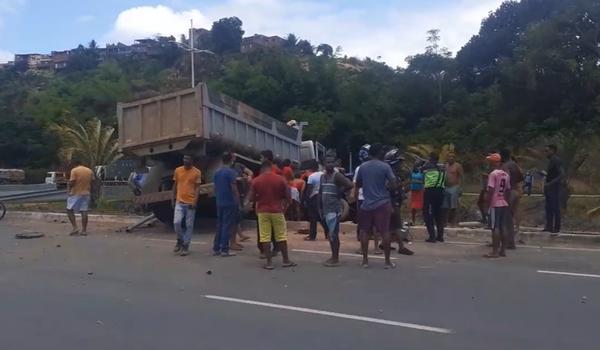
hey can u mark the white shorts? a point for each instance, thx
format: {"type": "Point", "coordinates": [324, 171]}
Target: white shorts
{"type": "Point", "coordinates": [78, 203]}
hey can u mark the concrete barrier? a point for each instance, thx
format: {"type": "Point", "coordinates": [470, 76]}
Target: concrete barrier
{"type": "Point", "coordinates": [27, 188]}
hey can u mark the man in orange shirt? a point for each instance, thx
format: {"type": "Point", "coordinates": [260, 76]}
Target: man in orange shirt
{"type": "Point", "coordinates": [186, 190]}
{"type": "Point", "coordinates": [78, 201]}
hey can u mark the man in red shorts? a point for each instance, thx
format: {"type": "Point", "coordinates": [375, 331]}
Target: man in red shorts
{"type": "Point", "coordinates": [376, 178]}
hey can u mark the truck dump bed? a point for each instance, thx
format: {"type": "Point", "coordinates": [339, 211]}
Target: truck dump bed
{"type": "Point", "coordinates": [171, 122]}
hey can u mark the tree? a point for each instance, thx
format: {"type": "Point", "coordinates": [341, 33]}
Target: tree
{"type": "Point", "coordinates": [291, 41]}
{"type": "Point", "coordinates": [90, 142]}
{"type": "Point", "coordinates": [325, 50]}
{"type": "Point", "coordinates": [305, 48]}
{"type": "Point", "coordinates": [227, 35]}
{"type": "Point", "coordinates": [92, 45]}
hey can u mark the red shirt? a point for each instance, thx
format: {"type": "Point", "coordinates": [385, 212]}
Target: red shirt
{"type": "Point", "coordinates": [270, 190]}
{"type": "Point", "coordinates": [288, 173]}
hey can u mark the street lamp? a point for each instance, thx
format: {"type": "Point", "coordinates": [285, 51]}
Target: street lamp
{"type": "Point", "coordinates": [192, 51]}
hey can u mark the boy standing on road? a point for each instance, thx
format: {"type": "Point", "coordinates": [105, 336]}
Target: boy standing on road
{"type": "Point", "coordinates": [332, 185]}
{"type": "Point", "coordinates": [78, 201]}
{"type": "Point", "coordinates": [376, 178]}
{"type": "Point", "coordinates": [271, 194]}
{"type": "Point", "coordinates": [228, 205]}
{"type": "Point", "coordinates": [416, 190]}
{"type": "Point", "coordinates": [498, 196]}
{"type": "Point", "coordinates": [186, 190]}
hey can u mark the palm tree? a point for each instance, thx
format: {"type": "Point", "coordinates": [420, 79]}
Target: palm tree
{"type": "Point", "coordinates": [91, 142]}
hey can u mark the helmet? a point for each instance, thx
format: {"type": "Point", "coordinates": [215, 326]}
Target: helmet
{"type": "Point", "coordinates": [393, 157]}
{"type": "Point", "coordinates": [363, 153]}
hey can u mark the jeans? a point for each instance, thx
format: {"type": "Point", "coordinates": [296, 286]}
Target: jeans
{"type": "Point", "coordinates": [314, 216]}
{"type": "Point", "coordinates": [432, 212]}
{"type": "Point", "coordinates": [226, 220]}
{"type": "Point", "coordinates": [184, 212]}
{"type": "Point", "coordinates": [553, 210]}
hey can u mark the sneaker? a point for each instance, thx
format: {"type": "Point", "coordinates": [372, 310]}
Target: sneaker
{"type": "Point", "coordinates": [405, 251]}
{"type": "Point", "coordinates": [185, 250]}
{"type": "Point", "coordinates": [177, 248]}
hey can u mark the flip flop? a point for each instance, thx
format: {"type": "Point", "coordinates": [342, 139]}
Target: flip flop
{"type": "Point", "coordinates": [74, 233]}
{"type": "Point", "coordinates": [290, 264]}
{"type": "Point", "coordinates": [364, 266]}
{"type": "Point", "coordinates": [268, 267]}
{"type": "Point", "coordinates": [244, 239]}
{"type": "Point", "coordinates": [330, 264]}
{"type": "Point", "coordinates": [491, 256]}
{"type": "Point", "coordinates": [390, 266]}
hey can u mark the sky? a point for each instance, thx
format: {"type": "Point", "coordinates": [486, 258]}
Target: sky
{"type": "Point", "coordinates": [389, 29]}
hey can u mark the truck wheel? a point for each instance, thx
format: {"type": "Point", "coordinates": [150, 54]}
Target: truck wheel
{"type": "Point", "coordinates": [345, 211]}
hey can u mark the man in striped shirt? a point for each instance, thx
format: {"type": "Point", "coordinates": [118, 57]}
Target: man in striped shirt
{"type": "Point", "coordinates": [332, 185]}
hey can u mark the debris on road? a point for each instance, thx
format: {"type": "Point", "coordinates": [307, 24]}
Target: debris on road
{"type": "Point", "coordinates": [100, 323]}
{"type": "Point", "coordinates": [209, 272]}
{"type": "Point", "coordinates": [90, 273]}
{"type": "Point", "coordinates": [29, 235]}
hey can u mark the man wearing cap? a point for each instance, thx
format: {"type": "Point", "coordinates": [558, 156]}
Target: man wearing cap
{"type": "Point", "coordinates": [498, 193]}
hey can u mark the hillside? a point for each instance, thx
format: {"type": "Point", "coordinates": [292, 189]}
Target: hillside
{"type": "Point", "coordinates": [530, 74]}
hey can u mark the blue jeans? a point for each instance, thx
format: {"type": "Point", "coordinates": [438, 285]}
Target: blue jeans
{"type": "Point", "coordinates": [226, 220]}
{"type": "Point", "coordinates": [184, 212]}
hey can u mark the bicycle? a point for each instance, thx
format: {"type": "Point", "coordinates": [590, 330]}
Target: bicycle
{"type": "Point", "coordinates": [2, 210]}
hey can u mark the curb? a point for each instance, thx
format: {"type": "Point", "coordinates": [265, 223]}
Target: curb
{"type": "Point", "coordinates": [36, 215]}
{"type": "Point", "coordinates": [417, 232]}
{"type": "Point", "coordinates": [483, 235]}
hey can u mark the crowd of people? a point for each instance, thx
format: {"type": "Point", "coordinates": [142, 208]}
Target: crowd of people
{"type": "Point", "coordinates": [280, 192]}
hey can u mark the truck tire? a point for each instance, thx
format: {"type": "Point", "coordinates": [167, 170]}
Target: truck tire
{"type": "Point", "coordinates": [345, 211]}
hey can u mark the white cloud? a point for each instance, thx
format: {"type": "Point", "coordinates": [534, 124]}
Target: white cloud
{"type": "Point", "coordinates": [147, 21]}
{"type": "Point", "coordinates": [85, 18]}
{"type": "Point", "coordinates": [390, 32]}
{"type": "Point", "coordinates": [6, 56]}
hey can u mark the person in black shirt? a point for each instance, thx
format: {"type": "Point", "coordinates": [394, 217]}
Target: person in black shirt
{"type": "Point", "coordinates": [555, 179]}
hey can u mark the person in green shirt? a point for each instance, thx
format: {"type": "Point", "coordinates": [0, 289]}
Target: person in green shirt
{"type": "Point", "coordinates": [433, 198]}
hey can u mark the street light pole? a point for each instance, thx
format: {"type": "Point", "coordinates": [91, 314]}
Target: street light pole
{"type": "Point", "coordinates": [192, 51]}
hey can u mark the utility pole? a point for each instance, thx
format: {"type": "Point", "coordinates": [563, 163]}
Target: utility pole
{"type": "Point", "coordinates": [192, 51]}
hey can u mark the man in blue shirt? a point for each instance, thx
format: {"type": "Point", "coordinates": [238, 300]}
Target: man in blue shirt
{"type": "Point", "coordinates": [228, 204]}
{"type": "Point", "coordinates": [376, 178]}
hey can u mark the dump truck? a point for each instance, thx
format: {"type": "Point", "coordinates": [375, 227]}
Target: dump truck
{"type": "Point", "coordinates": [201, 122]}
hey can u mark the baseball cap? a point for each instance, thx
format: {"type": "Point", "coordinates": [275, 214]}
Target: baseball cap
{"type": "Point", "coordinates": [494, 157]}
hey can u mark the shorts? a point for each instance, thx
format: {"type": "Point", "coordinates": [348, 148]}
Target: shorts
{"type": "Point", "coordinates": [416, 199]}
{"type": "Point", "coordinates": [332, 221]}
{"type": "Point", "coordinates": [500, 218]}
{"type": "Point", "coordinates": [272, 222]}
{"type": "Point", "coordinates": [451, 196]}
{"type": "Point", "coordinates": [378, 218]}
{"type": "Point", "coordinates": [78, 203]}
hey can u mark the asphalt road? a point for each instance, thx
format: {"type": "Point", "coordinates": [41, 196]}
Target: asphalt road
{"type": "Point", "coordinates": [122, 291]}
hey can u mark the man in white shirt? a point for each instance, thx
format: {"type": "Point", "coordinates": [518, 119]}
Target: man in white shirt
{"type": "Point", "coordinates": [312, 202]}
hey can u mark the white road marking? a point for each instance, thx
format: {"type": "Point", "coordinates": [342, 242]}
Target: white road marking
{"type": "Point", "coordinates": [334, 314]}
{"type": "Point", "coordinates": [531, 247]}
{"type": "Point", "coordinates": [570, 274]}
{"type": "Point", "coordinates": [342, 254]}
